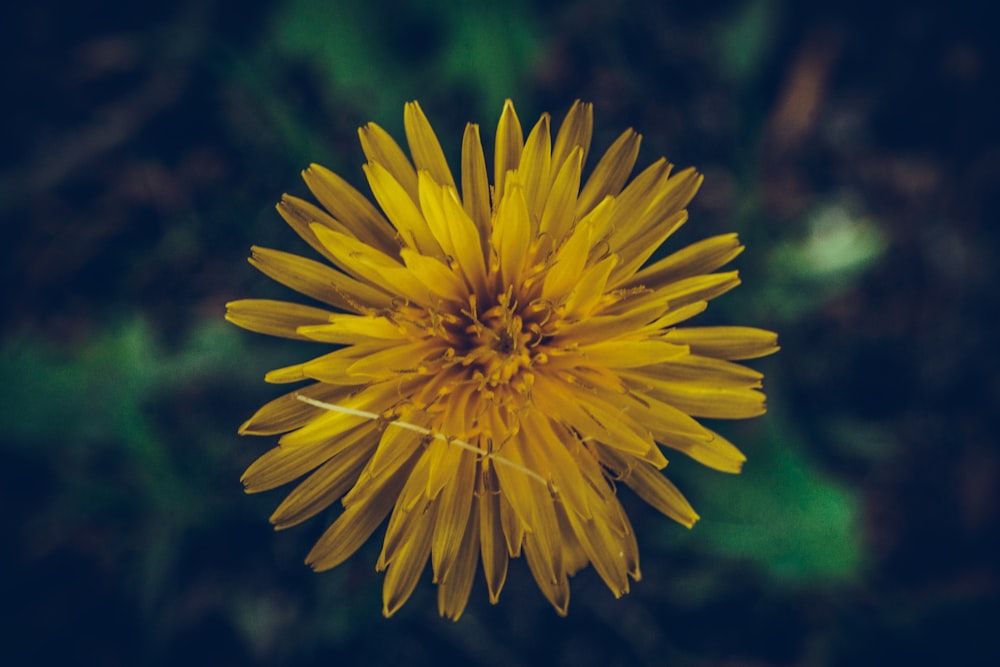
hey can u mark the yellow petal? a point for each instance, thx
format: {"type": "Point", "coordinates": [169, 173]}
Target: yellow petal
{"type": "Point", "coordinates": [715, 452]}
{"type": "Point", "coordinates": [611, 172]}
{"type": "Point", "coordinates": [452, 481]}
{"type": "Point", "coordinates": [694, 260]}
{"type": "Point", "coordinates": [707, 399]}
{"type": "Point", "coordinates": [325, 486]}
{"type": "Point", "coordinates": [590, 288]}
{"type": "Point", "coordinates": [551, 446]}
{"type": "Point", "coordinates": [492, 543]}
{"type": "Point", "coordinates": [275, 318]}
{"type": "Point", "coordinates": [436, 277]}
{"type": "Point", "coordinates": [637, 200]}
{"type": "Point", "coordinates": [675, 429]}
{"type": "Point", "coordinates": [627, 435]}
{"type": "Point", "coordinates": [558, 216]}
{"type": "Point", "coordinates": [513, 527]}
{"type": "Point", "coordinates": [333, 368]}
{"type": "Point", "coordinates": [670, 196]}
{"type": "Point", "coordinates": [326, 426]}
{"type": "Point", "coordinates": [318, 280]}
{"type": "Point", "coordinates": [631, 353]}
{"type": "Point", "coordinates": [404, 572]}
{"type": "Point", "coordinates": [293, 373]}
{"type": "Point", "coordinates": [379, 146]}
{"type": "Point", "coordinates": [475, 183]}
{"type": "Point", "coordinates": [283, 464]}
{"type": "Point", "coordinates": [402, 209]}
{"type": "Point", "coordinates": [604, 549]}
{"type": "Point", "coordinates": [533, 503]}
{"type": "Point", "coordinates": [726, 342]}
{"type": "Point", "coordinates": [593, 418]}
{"type": "Point", "coordinates": [466, 242]}
{"type": "Point", "coordinates": [515, 485]}
{"type": "Point", "coordinates": [355, 257]}
{"type": "Point", "coordinates": [509, 144]}
{"type": "Point", "coordinates": [406, 517]}
{"type": "Point", "coordinates": [343, 329]}
{"type": "Point", "coordinates": [637, 252]}
{"type": "Point", "coordinates": [626, 318]}
{"type": "Point", "coordinates": [535, 164]}
{"type": "Point", "coordinates": [424, 145]}
{"type": "Point", "coordinates": [358, 521]}
{"type": "Point", "coordinates": [395, 449]}
{"type": "Point", "coordinates": [683, 292]}
{"type": "Point", "coordinates": [369, 264]}
{"type": "Point", "coordinates": [301, 216]}
{"type": "Point", "coordinates": [656, 490]}
{"type": "Point", "coordinates": [351, 208]}
{"type": "Point", "coordinates": [432, 208]}
{"type": "Point", "coordinates": [287, 412]}
{"type": "Point", "coordinates": [569, 261]}
{"type": "Point", "coordinates": [576, 130]}
{"type": "Point", "coordinates": [511, 235]}
{"type": "Point", "coordinates": [453, 591]}
{"type": "Point", "coordinates": [391, 361]}
{"type": "Point", "coordinates": [573, 556]}
{"type": "Point", "coordinates": [374, 398]}
{"type": "Point", "coordinates": [555, 591]}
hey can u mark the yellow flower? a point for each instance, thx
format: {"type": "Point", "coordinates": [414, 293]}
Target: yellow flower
{"type": "Point", "coordinates": [502, 356]}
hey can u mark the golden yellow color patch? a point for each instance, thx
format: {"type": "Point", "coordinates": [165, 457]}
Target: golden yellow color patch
{"type": "Point", "coordinates": [499, 356]}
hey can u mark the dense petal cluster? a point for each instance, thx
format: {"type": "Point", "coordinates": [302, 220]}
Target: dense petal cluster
{"type": "Point", "coordinates": [502, 356]}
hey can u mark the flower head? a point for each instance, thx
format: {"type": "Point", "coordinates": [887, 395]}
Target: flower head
{"type": "Point", "coordinates": [502, 356]}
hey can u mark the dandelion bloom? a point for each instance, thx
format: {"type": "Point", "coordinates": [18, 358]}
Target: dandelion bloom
{"type": "Point", "coordinates": [502, 357]}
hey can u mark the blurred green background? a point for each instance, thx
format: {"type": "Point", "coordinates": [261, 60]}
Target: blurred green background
{"type": "Point", "coordinates": [853, 145]}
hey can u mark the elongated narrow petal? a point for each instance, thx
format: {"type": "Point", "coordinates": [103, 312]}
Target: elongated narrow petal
{"type": "Point", "coordinates": [286, 463]}
{"type": "Point", "coordinates": [453, 482]}
{"type": "Point", "coordinates": [318, 281]}
{"type": "Point", "coordinates": [695, 260]}
{"type": "Point", "coordinates": [492, 541]}
{"type": "Point", "coordinates": [611, 173]}
{"type": "Point", "coordinates": [424, 145]}
{"type": "Point", "coordinates": [509, 144]}
{"type": "Point", "coordinates": [453, 590]}
{"type": "Point", "coordinates": [650, 485]}
{"type": "Point", "coordinates": [326, 485]}
{"type": "Point", "coordinates": [726, 342]}
{"type": "Point", "coordinates": [274, 318]}
{"type": "Point", "coordinates": [357, 522]}
{"type": "Point", "coordinates": [381, 148]}
{"type": "Point", "coordinates": [287, 413]}
{"type": "Point", "coordinates": [402, 209]}
{"type": "Point", "coordinates": [350, 208]}
{"type": "Point", "coordinates": [511, 239]}
{"type": "Point", "coordinates": [536, 160]}
{"type": "Point", "coordinates": [475, 183]}
{"type": "Point", "coordinates": [575, 132]}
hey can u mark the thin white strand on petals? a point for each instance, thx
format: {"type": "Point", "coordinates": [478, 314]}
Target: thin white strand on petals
{"type": "Point", "coordinates": [425, 431]}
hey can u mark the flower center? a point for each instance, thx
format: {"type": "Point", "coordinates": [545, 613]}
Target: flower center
{"type": "Point", "coordinates": [498, 342]}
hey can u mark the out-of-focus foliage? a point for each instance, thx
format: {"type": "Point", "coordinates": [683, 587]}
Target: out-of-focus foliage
{"type": "Point", "coordinates": [745, 37]}
{"type": "Point", "coordinates": [783, 514]}
{"type": "Point", "coordinates": [825, 261]}
{"type": "Point", "coordinates": [379, 52]}
{"type": "Point", "coordinates": [93, 415]}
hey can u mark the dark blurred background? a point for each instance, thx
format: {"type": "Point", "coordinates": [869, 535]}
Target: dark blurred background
{"type": "Point", "coordinates": [853, 145]}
